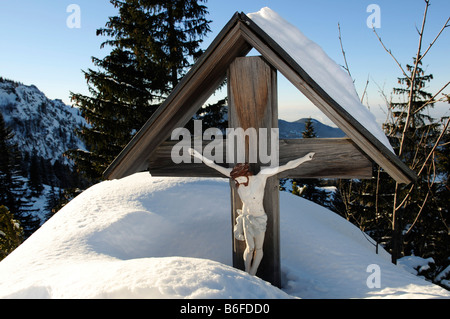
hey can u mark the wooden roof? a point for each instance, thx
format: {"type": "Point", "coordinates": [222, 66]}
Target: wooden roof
{"type": "Point", "coordinates": [236, 39]}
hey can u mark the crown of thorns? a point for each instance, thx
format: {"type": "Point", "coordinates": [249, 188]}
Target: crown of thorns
{"type": "Point", "coordinates": [241, 169]}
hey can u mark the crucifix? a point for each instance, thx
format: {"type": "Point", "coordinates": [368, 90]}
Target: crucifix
{"type": "Point", "coordinates": [250, 224]}
{"type": "Point", "coordinates": [252, 103]}
{"type": "Point", "coordinates": [252, 94]}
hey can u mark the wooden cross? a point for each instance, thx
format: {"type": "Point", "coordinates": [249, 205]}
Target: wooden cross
{"type": "Point", "coordinates": [252, 102]}
{"type": "Point", "coordinates": [252, 92]}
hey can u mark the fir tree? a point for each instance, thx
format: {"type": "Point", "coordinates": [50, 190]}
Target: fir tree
{"type": "Point", "coordinates": [153, 42]}
{"type": "Point", "coordinates": [413, 134]}
{"type": "Point", "coordinates": [35, 176]}
{"type": "Point", "coordinates": [212, 115]}
{"type": "Point", "coordinates": [309, 188]}
{"type": "Point", "coordinates": [412, 214]}
{"type": "Point", "coordinates": [13, 193]}
{"type": "Point", "coordinates": [309, 131]}
{"type": "Point", "coordinates": [407, 219]}
{"type": "Point", "coordinates": [11, 234]}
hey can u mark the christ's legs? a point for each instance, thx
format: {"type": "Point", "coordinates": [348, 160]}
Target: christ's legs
{"type": "Point", "coordinates": [248, 253]}
{"type": "Point", "coordinates": [259, 241]}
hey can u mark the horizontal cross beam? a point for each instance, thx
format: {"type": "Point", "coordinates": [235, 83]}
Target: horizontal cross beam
{"type": "Point", "coordinates": [334, 158]}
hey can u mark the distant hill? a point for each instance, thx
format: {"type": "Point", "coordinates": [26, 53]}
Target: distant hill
{"type": "Point", "coordinates": [295, 129]}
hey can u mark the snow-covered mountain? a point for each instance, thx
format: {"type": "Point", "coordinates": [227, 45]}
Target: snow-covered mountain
{"type": "Point", "coordinates": [43, 130]}
{"type": "Point", "coordinates": [296, 128]}
{"type": "Point", "coordinates": [41, 127]}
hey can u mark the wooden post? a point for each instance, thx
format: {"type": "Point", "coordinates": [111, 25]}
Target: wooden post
{"type": "Point", "coordinates": [252, 94]}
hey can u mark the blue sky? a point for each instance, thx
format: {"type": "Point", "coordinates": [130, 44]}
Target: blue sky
{"type": "Point", "coordinates": [37, 46]}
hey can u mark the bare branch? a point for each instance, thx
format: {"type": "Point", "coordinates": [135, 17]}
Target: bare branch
{"type": "Point", "coordinates": [365, 89]}
{"type": "Point", "coordinates": [422, 168]}
{"type": "Point", "coordinates": [390, 53]}
{"type": "Point", "coordinates": [432, 100]}
{"type": "Point", "coordinates": [446, 25]}
{"type": "Point", "coordinates": [420, 211]}
{"type": "Point", "coordinates": [413, 78]}
{"type": "Point", "coordinates": [435, 145]}
{"type": "Point", "coordinates": [343, 52]}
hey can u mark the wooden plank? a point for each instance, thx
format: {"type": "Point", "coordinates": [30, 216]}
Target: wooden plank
{"type": "Point", "coordinates": [161, 163]}
{"type": "Point", "coordinates": [252, 95]}
{"type": "Point", "coordinates": [335, 158]}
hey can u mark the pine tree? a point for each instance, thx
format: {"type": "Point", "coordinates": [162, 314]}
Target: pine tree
{"type": "Point", "coordinates": [309, 131]}
{"type": "Point", "coordinates": [13, 193]}
{"type": "Point", "coordinates": [309, 188]}
{"type": "Point", "coordinates": [153, 42]}
{"type": "Point", "coordinates": [35, 176]}
{"type": "Point", "coordinates": [11, 234]}
{"type": "Point", "coordinates": [212, 115]}
{"type": "Point", "coordinates": [413, 134]}
{"type": "Point", "coordinates": [408, 219]}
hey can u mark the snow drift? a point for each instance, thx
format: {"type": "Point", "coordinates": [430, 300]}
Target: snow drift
{"type": "Point", "coordinates": [147, 237]}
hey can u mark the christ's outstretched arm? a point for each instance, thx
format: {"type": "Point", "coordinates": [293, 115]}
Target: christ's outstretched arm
{"type": "Point", "coordinates": [223, 170]}
{"type": "Point", "coordinates": [270, 171]}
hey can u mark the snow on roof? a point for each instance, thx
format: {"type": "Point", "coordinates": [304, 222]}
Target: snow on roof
{"type": "Point", "coordinates": [319, 66]}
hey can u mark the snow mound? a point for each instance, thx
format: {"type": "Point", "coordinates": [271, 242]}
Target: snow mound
{"type": "Point", "coordinates": [147, 237]}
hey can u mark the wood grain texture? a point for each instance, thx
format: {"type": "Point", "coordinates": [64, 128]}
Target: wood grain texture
{"type": "Point", "coordinates": [252, 94]}
{"type": "Point", "coordinates": [335, 158]}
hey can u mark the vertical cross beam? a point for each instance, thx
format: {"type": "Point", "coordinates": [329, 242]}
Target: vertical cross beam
{"type": "Point", "coordinates": [252, 95]}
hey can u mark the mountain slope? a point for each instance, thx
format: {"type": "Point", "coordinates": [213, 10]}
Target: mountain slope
{"type": "Point", "coordinates": [296, 128]}
{"type": "Point", "coordinates": [42, 127]}
{"type": "Point", "coordinates": [43, 130]}
{"type": "Point", "coordinates": [147, 237]}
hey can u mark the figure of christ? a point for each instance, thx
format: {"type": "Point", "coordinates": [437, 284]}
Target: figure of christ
{"type": "Point", "coordinates": [252, 220]}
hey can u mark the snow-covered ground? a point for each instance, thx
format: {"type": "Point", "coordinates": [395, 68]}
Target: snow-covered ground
{"type": "Point", "coordinates": [147, 237]}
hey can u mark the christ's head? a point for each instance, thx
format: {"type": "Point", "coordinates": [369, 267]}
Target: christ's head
{"type": "Point", "coordinates": [240, 174]}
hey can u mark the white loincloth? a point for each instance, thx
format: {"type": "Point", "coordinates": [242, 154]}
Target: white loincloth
{"type": "Point", "coordinates": [249, 226]}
